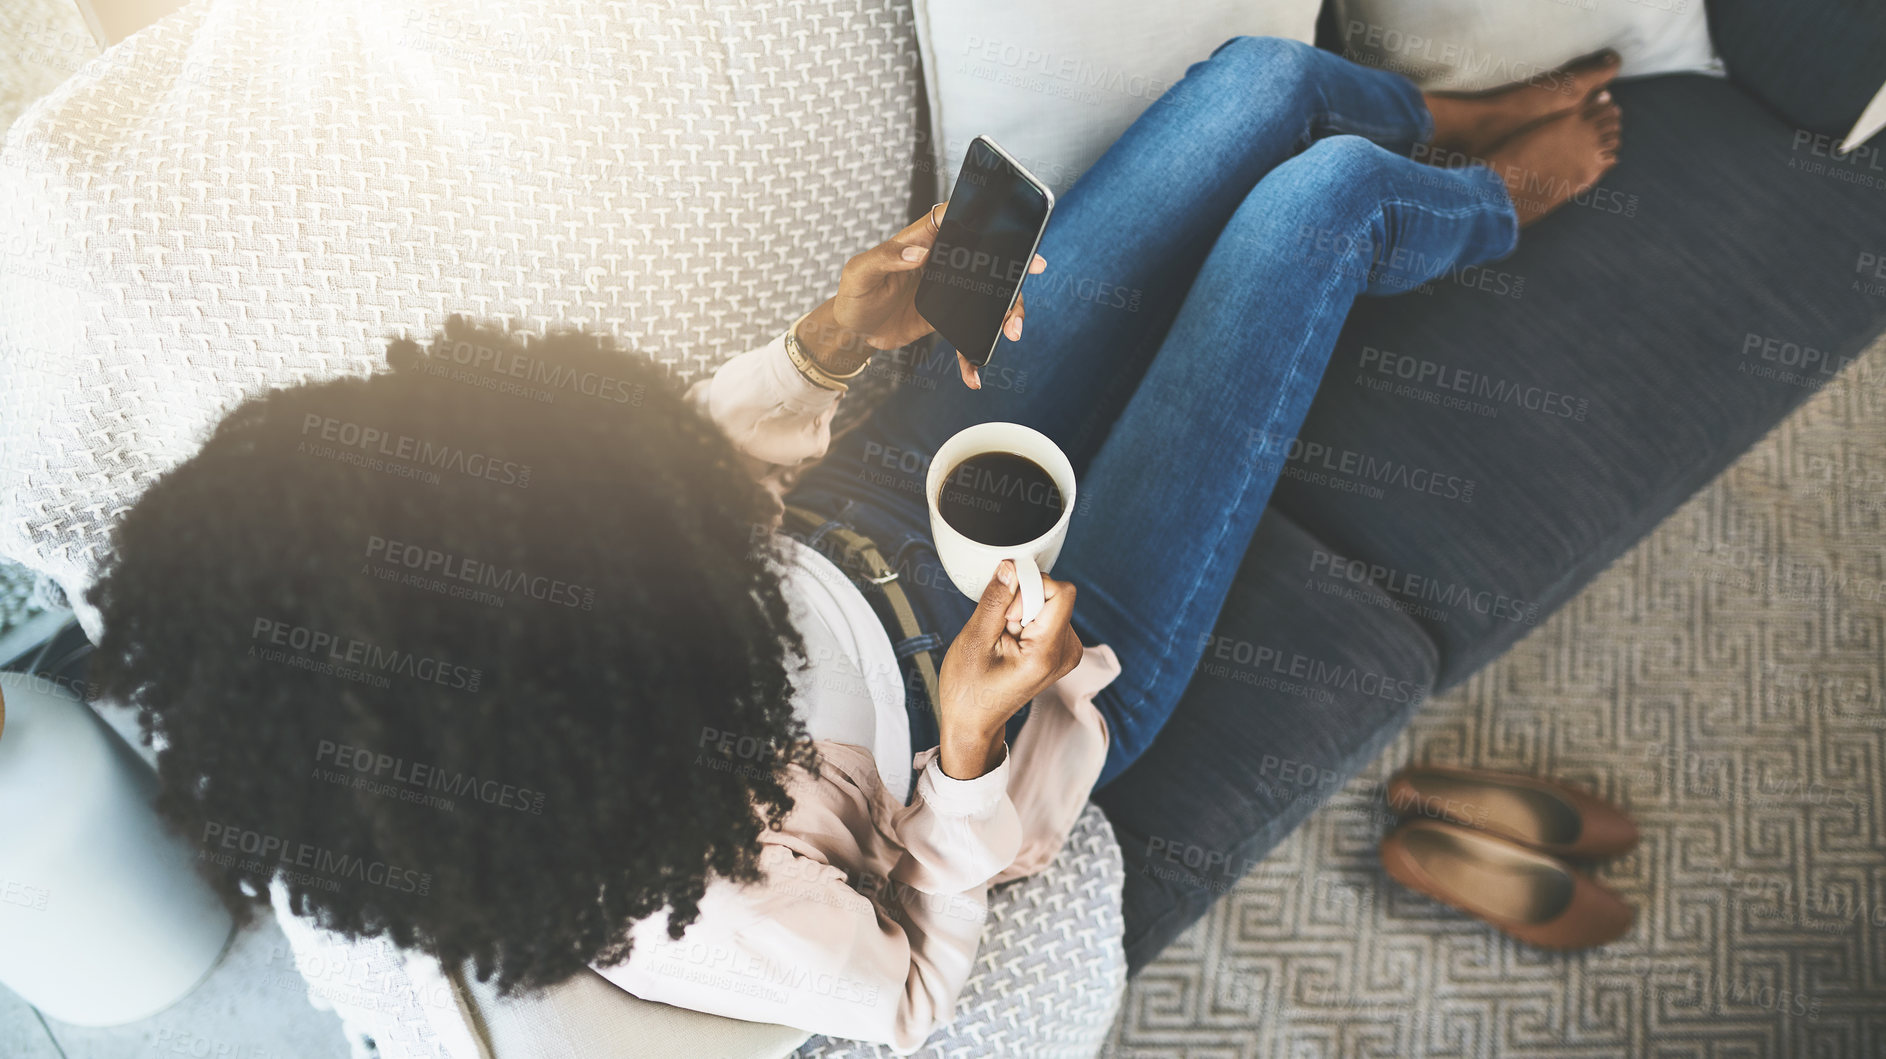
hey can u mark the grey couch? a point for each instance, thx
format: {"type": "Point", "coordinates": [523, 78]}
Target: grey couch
{"type": "Point", "coordinates": [1635, 344]}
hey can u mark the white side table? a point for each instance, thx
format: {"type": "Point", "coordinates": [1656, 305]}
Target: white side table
{"type": "Point", "coordinates": [103, 916]}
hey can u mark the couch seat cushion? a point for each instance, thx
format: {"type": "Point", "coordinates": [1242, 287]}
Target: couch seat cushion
{"type": "Point", "coordinates": [1499, 441]}
{"type": "Point", "coordinates": [1304, 682]}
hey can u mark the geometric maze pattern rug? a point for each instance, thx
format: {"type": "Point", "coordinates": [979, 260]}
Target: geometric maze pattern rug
{"type": "Point", "coordinates": [1723, 682]}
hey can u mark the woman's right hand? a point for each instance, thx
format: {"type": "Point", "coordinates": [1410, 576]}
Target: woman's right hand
{"type": "Point", "coordinates": [876, 308]}
{"type": "Point", "coordinates": [990, 673]}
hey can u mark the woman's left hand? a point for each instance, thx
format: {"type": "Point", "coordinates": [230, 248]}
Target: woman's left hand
{"type": "Point", "coordinates": [876, 309]}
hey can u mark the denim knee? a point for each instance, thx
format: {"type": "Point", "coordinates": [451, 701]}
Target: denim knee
{"type": "Point", "coordinates": [1345, 158]}
{"type": "Point", "coordinates": [1274, 56]}
{"type": "Point", "coordinates": [1323, 204]}
{"type": "Point", "coordinates": [1266, 68]}
{"type": "Point", "coordinates": [1341, 168]}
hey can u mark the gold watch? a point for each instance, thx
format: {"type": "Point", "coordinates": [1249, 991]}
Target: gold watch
{"type": "Point", "coordinates": [814, 374]}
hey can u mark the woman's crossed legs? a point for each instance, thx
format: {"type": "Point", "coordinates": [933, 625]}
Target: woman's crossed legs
{"type": "Point", "coordinates": [1198, 276]}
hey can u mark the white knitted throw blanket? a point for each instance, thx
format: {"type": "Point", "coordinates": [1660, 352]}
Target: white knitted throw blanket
{"type": "Point", "coordinates": [253, 193]}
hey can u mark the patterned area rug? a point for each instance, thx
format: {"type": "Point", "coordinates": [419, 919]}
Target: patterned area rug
{"type": "Point", "coordinates": [1723, 682]}
{"type": "Point", "coordinates": [16, 596]}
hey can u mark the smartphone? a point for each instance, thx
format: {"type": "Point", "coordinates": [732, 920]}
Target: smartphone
{"type": "Point", "coordinates": [996, 215]}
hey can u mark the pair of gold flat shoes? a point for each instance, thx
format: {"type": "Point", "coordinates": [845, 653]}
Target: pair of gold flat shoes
{"type": "Point", "coordinates": [1495, 845]}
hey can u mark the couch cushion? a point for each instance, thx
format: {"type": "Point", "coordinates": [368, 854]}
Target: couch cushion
{"type": "Point", "coordinates": [1471, 45]}
{"type": "Point", "coordinates": [1499, 441]}
{"type": "Point", "coordinates": [1055, 88]}
{"type": "Point", "coordinates": [1304, 681]}
{"type": "Point", "coordinates": [1816, 62]}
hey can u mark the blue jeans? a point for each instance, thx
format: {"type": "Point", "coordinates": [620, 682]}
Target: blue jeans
{"type": "Point", "coordinates": [1197, 277]}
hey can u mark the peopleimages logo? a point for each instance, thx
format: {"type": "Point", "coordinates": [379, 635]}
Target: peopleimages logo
{"type": "Point", "coordinates": [1350, 254]}
{"type": "Point", "coordinates": [1226, 651]}
{"type": "Point", "coordinates": [1861, 166]}
{"type": "Point", "coordinates": [1064, 74]}
{"type": "Point", "coordinates": [1871, 267]}
{"type": "Point", "coordinates": [435, 563]}
{"type": "Point", "coordinates": [1789, 361]}
{"type": "Point", "coordinates": [1420, 371]}
{"type": "Point", "coordinates": [1428, 589]}
{"type": "Point", "coordinates": [1399, 50]}
{"type": "Point", "coordinates": [1316, 462]}
{"type": "Point", "coordinates": [527, 375]}
{"type": "Point", "coordinates": [333, 654]}
{"type": "Point", "coordinates": [250, 850]}
{"type": "Point", "coordinates": [425, 777]}
{"type": "Point", "coordinates": [372, 441]}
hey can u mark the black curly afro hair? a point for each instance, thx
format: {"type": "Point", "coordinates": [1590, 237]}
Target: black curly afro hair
{"type": "Point", "coordinates": [485, 653]}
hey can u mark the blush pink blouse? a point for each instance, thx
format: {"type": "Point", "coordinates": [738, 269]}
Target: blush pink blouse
{"type": "Point", "coordinates": [867, 922]}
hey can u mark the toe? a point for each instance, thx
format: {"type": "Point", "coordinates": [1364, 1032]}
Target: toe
{"type": "Point", "coordinates": [1600, 69]}
{"type": "Point", "coordinates": [1591, 73]}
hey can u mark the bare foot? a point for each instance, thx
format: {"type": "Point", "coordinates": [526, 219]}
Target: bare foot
{"type": "Point", "coordinates": [1556, 159]}
{"type": "Point", "coordinates": [1475, 125]}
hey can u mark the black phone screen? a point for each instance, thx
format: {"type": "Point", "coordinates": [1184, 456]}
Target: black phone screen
{"type": "Point", "coordinates": [988, 236]}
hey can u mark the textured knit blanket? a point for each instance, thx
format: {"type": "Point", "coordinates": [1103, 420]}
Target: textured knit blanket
{"type": "Point", "coordinates": [252, 193]}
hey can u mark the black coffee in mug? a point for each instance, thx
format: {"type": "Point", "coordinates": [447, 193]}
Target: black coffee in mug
{"type": "Point", "coordinates": [1000, 498]}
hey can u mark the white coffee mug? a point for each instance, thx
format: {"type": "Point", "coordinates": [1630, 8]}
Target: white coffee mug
{"type": "Point", "coordinates": [971, 563]}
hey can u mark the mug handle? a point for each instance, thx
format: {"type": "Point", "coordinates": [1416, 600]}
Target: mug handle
{"type": "Point", "coordinates": [1028, 575]}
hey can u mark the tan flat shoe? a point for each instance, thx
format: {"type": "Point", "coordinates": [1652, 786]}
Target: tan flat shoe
{"type": "Point", "coordinates": [1542, 814]}
{"type": "Point", "coordinates": [1537, 899]}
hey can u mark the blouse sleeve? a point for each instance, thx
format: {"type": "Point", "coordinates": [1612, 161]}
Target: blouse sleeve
{"type": "Point", "coordinates": [776, 418]}
{"type": "Point", "coordinates": [877, 960]}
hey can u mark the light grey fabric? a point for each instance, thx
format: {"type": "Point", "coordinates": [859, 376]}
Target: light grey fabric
{"type": "Point", "coordinates": [1051, 972]}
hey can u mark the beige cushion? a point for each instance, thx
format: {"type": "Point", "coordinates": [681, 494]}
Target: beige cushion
{"type": "Point", "coordinates": [588, 1018]}
{"type": "Point", "coordinates": [113, 20]}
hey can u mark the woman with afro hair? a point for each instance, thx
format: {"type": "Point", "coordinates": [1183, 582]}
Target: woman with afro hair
{"type": "Point", "coordinates": [501, 655]}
